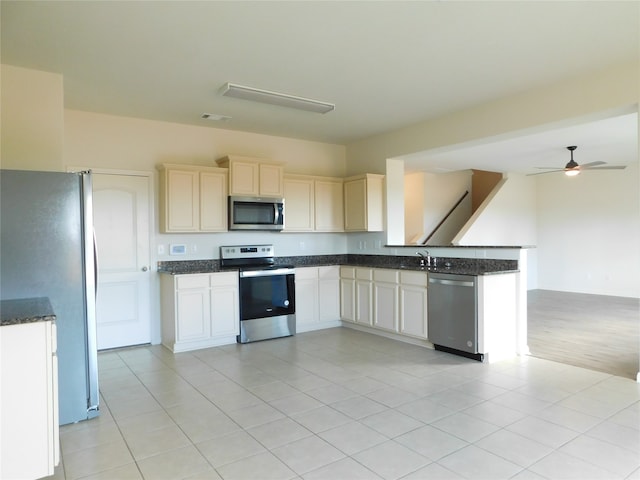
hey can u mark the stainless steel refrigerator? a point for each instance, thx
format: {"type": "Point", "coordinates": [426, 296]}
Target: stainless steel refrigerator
{"type": "Point", "coordinates": [47, 250]}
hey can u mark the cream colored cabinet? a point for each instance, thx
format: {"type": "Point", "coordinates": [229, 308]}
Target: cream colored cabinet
{"type": "Point", "coordinates": [329, 205]}
{"type": "Point", "coordinates": [224, 305]}
{"type": "Point", "coordinates": [193, 199]}
{"type": "Point", "coordinates": [306, 298]}
{"type": "Point", "coordinates": [385, 299]}
{"type": "Point", "coordinates": [356, 295]}
{"type": "Point", "coordinates": [199, 310]}
{"type": "Point", "coordinates": [213, 200]}
{"type": "Point", "coordinates": [348, 294]}
{"type": "Point", "coordinates": [313, 204]}
{"type": "Point", "coordinates": [28, 400]}
{"type": "Point", "coordinates": [364, 296]}
{"type": "Point", "coordinates": [364, 203]}
{"type": "Point", "coordinates": [193, 309]}
{"type": "Point", "coordinates": [328, 293]}
{"type": "Point", "coordinates": [317, 297]}
{"type": "Point", "coordinates": [299, 203]}
{"type": "Point", "coordinates": [413, 304]}
{"type": "Point", "coordinates": [253, 176]}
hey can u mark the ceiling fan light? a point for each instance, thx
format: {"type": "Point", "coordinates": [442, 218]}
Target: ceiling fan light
{"type": "Point", "coordinates": [571, 173]}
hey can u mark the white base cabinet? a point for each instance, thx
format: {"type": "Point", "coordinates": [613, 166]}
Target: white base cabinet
{"type": "Point", "coordinates": [413, 304]}
{"type": "Point", "coordinates": [199, 310]}
{"type": "Point", "coordinates": [29, 431]}
{"type": "Point", "coordinates": [387, 301]}
{"type": "Point", "coordinates": [317, 298]}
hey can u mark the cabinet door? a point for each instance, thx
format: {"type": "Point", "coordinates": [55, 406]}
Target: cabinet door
{"type": "Point", "coordinates": [364, 294]}
{"type": "Point", "coordinates": [271, 180]}
{"type": "Point", "coordinates": [307, 296]}
{"type": "Point", "coordinates": [244, 178]}
{"type": "Point", "coordinates": [329, 293]}
{"type": "Point", "coordinates": [329, 206]}
{"type": "Point", "coordinates": [182, 201]}
{"type": "Point", "coordinates": [225, 318]}
{"type": "Point", "coordinates": [385, 306]}
{"type": "Point", "coordinates": [347, 294]}
{"type": "Point", "coordinates": [213, 202]}
{"type": "Point", "coordinates": [194, 315]}
{"type": "Point", "coordinates": [355, 204]}
{"type": "Point", "coordinates": [413, 310]}
{"type": "Point", "coordinates": [299, 204]}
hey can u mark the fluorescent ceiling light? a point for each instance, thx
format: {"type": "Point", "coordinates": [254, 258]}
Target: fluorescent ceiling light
{"type": "Point", "coordinates": [275, 98]}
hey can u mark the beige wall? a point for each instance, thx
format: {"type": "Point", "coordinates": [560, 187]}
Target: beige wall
{"type": "Point", "coordinates": [32, 104]}
{"type": "Point", "coordinates": [587, 96]}
{"type": "Point", "coordinates": [107, 141]}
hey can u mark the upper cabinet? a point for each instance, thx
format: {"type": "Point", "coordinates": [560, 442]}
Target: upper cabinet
{"type": "Point", "coordinates": [253, 176]}
{"type": "Point", "coordinates": [364, 203]}
{"type": "Point", "coordinates": [313, 204]}
{"type": "Point", "coordinates": [193, 199]}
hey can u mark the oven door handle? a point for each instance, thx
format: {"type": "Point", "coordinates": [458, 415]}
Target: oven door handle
{"type": "Point", "coordinates": [267, 273]}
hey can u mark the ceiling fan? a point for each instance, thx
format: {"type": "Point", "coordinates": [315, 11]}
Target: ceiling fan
{"type": "Point", "coordinates": [572, 168]}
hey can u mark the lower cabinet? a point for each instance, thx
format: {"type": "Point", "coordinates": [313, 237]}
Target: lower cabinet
{"type": "Point", "coordinates": [199, 310]}
{"type": "Point", "coordinates": [29, 431]}
{"type": "Point", "coordinates": [391, 300]}
{"type": "Point", "coordinates": [385, 294]}
{"type": "Point", "coordinates": [413, 304]}
{"type": "Point", "coordinates": [317, 298]}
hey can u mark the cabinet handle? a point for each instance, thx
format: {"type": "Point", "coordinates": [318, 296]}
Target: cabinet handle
{"type": "Point", "coordinates": [144, 269]}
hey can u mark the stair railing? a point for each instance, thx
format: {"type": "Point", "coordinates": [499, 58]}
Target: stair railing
{"type": "Point", "coordinates": [456, 205]}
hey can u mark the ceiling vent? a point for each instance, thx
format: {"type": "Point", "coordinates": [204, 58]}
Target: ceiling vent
{"type": "Point", "coordinates": [275, 98]}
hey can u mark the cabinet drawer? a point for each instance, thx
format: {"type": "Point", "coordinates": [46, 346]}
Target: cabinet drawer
{"type": "Point", "coordinates": [224, 279]}
{"type": "Point", "coordinates": [385, 275]}
{"type": "Point", "coordinates": [192, 281]}
{"type": "Point", "coordinates": [347, 272]}
{"type": "Point", "coordinates": [364, 274]}
{"type": "Point", "coordinates": [329, 273]}
{"type": "Point", "coordinates": [413, 278]}
{"type": "Point", "coordinates": [306, 273]}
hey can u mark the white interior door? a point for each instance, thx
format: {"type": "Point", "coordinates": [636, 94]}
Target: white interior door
{"type": "Point", "coordinates": [121, 219]}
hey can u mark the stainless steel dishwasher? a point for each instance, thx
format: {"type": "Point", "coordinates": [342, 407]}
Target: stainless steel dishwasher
{"type": "Point", "coordinates": [453, 314]}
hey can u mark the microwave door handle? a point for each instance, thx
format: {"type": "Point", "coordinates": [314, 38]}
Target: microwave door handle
{"type": "Point", "coordinates": [276, 214]}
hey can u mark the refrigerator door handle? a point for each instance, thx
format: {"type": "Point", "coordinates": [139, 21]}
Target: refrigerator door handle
{"type": "Point", "coordinates": [91, 286]}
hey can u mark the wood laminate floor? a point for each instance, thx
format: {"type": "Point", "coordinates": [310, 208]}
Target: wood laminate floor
{"type": "Point", "coordinates": [597, 332]}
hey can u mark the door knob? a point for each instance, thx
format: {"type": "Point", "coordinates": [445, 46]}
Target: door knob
{"type": "Point", "coordinates": [144, 269]}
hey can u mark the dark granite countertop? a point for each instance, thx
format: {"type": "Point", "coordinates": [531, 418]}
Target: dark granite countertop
{"type": "Point", "coordinates": [459, 266]}
{"type": "Point", "coordinates": [25, 310]}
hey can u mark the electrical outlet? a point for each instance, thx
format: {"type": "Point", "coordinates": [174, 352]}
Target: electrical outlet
{"type": "Point", "coordinates": [160, 249]}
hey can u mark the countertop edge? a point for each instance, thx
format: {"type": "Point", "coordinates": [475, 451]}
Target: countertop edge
{"type": "Point", "coordinates": [25, 310]}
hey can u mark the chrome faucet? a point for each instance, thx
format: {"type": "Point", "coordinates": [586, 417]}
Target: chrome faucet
{"type": "Point", "coordinates": [425, 260]}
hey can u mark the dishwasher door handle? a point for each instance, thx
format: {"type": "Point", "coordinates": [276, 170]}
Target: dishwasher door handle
{"type": "Point", "coordinates": [457, 283]}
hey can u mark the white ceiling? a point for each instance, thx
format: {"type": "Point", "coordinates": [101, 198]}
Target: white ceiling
{"type": "Point", "coordinates": [385, 64]}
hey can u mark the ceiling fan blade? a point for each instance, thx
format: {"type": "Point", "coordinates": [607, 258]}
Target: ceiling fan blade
{"type": "Point", "coordinates": [610, 167]}
{"type": "Point", "coordinates": [592, 164]}
{"type": "Point", "coordinates": [542, 173]}
{"type": "Point", "coordinates": [547, 168]}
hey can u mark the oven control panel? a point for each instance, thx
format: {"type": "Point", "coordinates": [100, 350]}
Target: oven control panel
{"type": "Point", "coordinates": [246, 251]}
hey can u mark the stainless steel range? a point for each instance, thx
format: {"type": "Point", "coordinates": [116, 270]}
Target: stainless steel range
{"type": "Point", "coordinates": [267, 292]}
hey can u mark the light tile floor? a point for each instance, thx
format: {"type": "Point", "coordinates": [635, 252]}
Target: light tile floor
{"type": "Point", "coordinates": [342, 404]}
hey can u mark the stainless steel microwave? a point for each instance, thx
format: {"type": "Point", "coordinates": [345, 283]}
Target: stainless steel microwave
{"type": "Point", "coordinates": [256, 213]}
